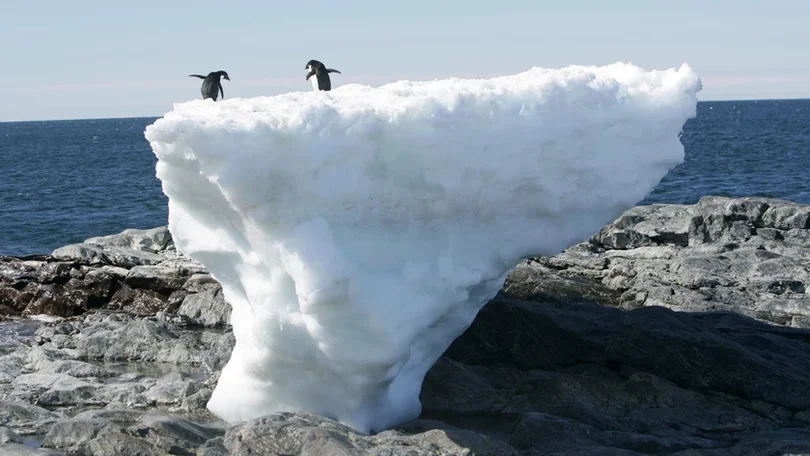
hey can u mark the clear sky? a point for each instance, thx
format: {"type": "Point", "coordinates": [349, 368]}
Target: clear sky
{"type": "Point", "coordinates": [92, 58]}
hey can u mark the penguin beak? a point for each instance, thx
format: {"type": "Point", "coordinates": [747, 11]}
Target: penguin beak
{"type": "Point", "coordinates": [226, 77]}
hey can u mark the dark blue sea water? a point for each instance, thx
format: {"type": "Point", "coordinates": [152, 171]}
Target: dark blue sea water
{"type": "Point", "coordinates": [65, 181]}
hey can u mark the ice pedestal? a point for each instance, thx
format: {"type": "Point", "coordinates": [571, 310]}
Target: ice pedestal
{"type": "Point", "coordinates": [357, 232]}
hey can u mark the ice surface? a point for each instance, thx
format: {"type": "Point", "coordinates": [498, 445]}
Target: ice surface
{"type": "Point", "coordinates": [357, 232]}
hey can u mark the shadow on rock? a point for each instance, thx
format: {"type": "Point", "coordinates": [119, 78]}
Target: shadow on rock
{"type": "Point", "coordinates": [568, 376]}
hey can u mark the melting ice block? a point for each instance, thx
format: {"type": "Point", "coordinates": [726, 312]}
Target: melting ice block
{"type": "Point", "coordinates": [358, 232]}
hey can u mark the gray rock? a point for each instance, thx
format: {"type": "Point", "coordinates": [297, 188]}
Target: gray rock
{"type": "Point", "coordinates": [72, 433]}
{"type": "Point", "coordinates": [172, 389]}
{"type": "Point", "coordinates": [153, 240]}
{"type": "Point", "coordinates": [18, 449]}
{"type": "Point", "coordinates": [59, 273]}
{"type": "Point", "coordinates": [213, 447]}
{"type": "Point", "coordinates": [197, 402]}
{"type": "Point", "coordinates": [56, 300]}
{"type": "Point", "coordinates": [102, 282]}
{"type": "Point", "coordinates": [136, 270]}
{"type": "Point", "coordinates": [104, 433]}
{"type": "Point", "coordinates": [219, 348]}
{"type": "Point", "coordinates": [13, 301]}
{"type": "Point", "coordinates": [99, 438]}
{"type": "Point", "coordinates": [25, 418]}
{"type": "Point", "coordinates": [9, 436]}
{"type": "Point", "coordinates": [113, 413]}
{"type": "Point", "coordinates": [77, 369]}
{"type": "Point", "coordinates": [92, 254]}
{"type": "Point", "coordinates": [207, 308]}
{"type": "Point", "coordinates": [747, 255]}
{"type": "Point", "coordinates": [201, 282]}
{"type": "Point", "coordinates": [14, 271]}
{"type": "Point", "coordinates": [56, 389]}
{"type": "Point", "coordinates": [160, 278]}
{"type": "Point", "coordinates": [175, 435]}
{"type": "Point", "coordinates": [138, 301]}
{"type": "Point", "coordinates": [302, 433]}
{"type": "Point", "coordinates": [89, 254]}
{"type": "Point", "coordinates": [105, 273]}
{"type": "Point", "coordinates": [119, 338]}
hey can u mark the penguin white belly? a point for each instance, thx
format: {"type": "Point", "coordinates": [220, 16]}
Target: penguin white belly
{"type": "Point", "coordinates": [314, 80]}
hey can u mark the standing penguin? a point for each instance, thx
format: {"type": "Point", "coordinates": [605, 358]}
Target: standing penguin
{"type": "Point", "coordinates": [321, 80]}
{"type": "Point", "coordinates": [212, 86]}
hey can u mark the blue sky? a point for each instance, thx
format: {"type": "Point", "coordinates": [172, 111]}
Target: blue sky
{"type": "Point", "coordinates": [90, 59]}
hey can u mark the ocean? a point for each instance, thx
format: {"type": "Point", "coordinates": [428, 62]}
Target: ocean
{"type": "Point", "coordinates": [65, 181]}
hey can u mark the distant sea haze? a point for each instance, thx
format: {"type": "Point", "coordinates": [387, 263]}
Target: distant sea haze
{"type": "Point", "coordinates": [65, 181]}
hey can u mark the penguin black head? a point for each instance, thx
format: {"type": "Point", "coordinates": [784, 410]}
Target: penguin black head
{"type": "Point", "coordinates": [314, 66]}
{"type": "Point", "coordinates": [223, 74]}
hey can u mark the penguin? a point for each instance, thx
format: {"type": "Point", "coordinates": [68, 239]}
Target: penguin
{"type": "Point", "coordinates": [321, 80]}
{"type": "Point", "coordinates": [212, 86]}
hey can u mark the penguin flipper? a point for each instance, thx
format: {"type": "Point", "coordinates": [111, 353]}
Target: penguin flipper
{"type": "Point", "coordinates": [332, 70]}
{"type": "Point", "coordinates": [196, 76]}
{"type": "Point", "coordinates": [221, 90]}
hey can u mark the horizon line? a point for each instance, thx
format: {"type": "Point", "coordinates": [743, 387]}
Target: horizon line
{"type": "Point", "coordinates": [717, 100]}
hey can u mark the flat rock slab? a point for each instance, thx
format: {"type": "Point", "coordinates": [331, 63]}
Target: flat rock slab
{"type": "Point", "coordinates": [746, 255]}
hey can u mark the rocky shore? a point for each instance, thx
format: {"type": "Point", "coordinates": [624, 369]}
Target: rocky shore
{"type": "Point", "coordinates": [675, 330]}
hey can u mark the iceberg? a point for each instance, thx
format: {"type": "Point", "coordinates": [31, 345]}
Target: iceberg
{"type": "Point", "coordinates": [356, 233]}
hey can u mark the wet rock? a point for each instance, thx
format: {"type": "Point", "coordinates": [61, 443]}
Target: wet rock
{"type": "Point", "coordinates": [172, 389]}
{"type": "Point", "coordinates": [97, 437]}
{"type": "Point", "coordinates": [46, 333]}
{"type": "Point", "coordinates": [55, 389]}
{"type": "Point", "coordinates": [175, 435]}
{"type": "Point", "coordinates": [25, 418]}
{"type": "Point", "coordinates": [76, 369]}
{"type": "Point", "coordinates": [72, 433]}
{"type": "Point", "coordinates": [111, 432]}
